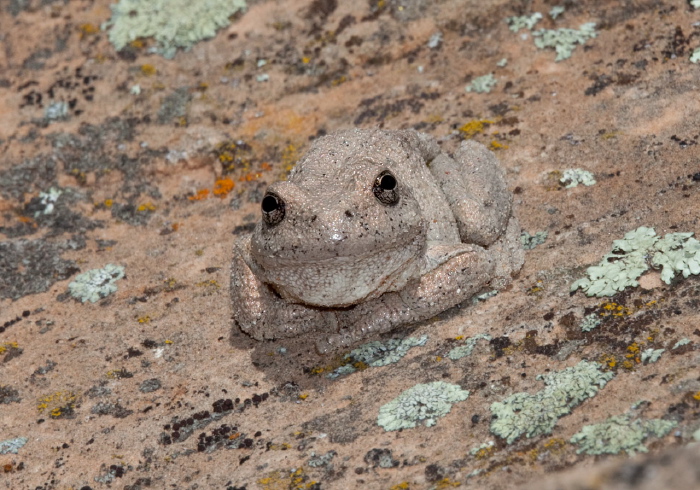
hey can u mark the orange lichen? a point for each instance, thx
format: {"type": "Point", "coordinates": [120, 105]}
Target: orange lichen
{"type": "Point", "coordinates": [222, 187]}
{"type": "Point", "coordinates": [615, 310]}
{"type": "Point", "coordinates": [201, 194]}
{"type": "Point", "coordinates": [696, 396]}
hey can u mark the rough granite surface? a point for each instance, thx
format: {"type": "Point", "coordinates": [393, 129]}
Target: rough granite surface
{"type": "Point", "coordinates": [155, 165]}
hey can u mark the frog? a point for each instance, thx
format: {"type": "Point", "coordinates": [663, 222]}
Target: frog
{"type": "Point", "coordinates": [372, 230]}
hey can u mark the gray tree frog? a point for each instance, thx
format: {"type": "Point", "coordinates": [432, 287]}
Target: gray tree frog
{"type": "Point", "coordinates": [374, 229]}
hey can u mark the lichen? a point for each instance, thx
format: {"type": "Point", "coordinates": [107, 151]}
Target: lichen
{"type": "Point", "coordinates": [482, 84]}
{"type": "Point", "coordinates": [377, 354]}
{"type": "Point", "coordinates": [572, 177]}
{"type": "Point", "coordinates": [423, 403]}
{"type": "Point", "coordinates": [590, 322]}
{"type": "Point", "coordinates": [695, 56]}
{"type": "Point", "coordinates": [96, 283]}
{"type": "Point", "coordinates": [516, 23]}
{"type": "Point", "coordinates": [650, 356]}
{"type": "Point", "coordinates": [681, 343]}
{"type": "Point", "coordinates": [172, 23]}
{"type": "Point", "coordinates": [620, 433]}
{"type": "Point", "coordinates": [531, 241]}
{"type": "Point", "coordinates": [537, 414]}
{"type": "Point", "coordinates": [11, 446]}
{"type": "Point", "coordinates": [632, 255]}
{"type": "Point", "coordinates": [564, 40]}
{"type": "Point", "coordinates": [556, 11]}
{"type": "Point", "coordinates": [468, 347]}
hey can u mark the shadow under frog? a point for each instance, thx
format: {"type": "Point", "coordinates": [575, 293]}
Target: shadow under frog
{"type": "Point", "coordinates": [373, 230]}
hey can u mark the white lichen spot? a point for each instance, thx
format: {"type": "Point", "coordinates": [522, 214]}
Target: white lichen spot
{"type": "Point", "coordinates": [502, 62]}
{"type": "Point", "coordinates": [487, 445]}
{"type": "Point", "coordinates": [482, 84]}
{"type": "Point", "coordinates": [48, 200]}
{"type": "Point", "coordinates": [634, 254]}
{"type": "Point", "coordinates": [56, 111]}
{"type": "Point", "coordinates": [564, 40]}
{"type": "Point", "coordinates": [435, 40]}
{"type": "Point", "coordinates": [590, 322]}
{"type": "Point", "coordinates": [424, 403]}
{"type": "Point", "coordinates": [556, 11]}
{"type": "Point", "coordinates": [96, 283]}
{"type": "Point", "coordinates": [620, 433]}
{"type": "Point", "coordinates": [572, 177]}
{"type": "Point", "coordinates": [535, 415]}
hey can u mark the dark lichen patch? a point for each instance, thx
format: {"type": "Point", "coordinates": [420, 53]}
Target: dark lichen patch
{"type": "Point", "coordinates": [224, 436]}
{"type": "Point", "coordinates": [173, 108]}
{"type": "Point", "coordinates": [109, 473]}
{"type": "Point", "coordinates": [63, 96]}
{"type": "Point", "coordinates": [42, 266]}
{"type": "Point", "coordinates": [382, 458]}
{"type": "Point", "coordinates": [32, 175]}
{"type": "Point", "coordinates": [181, 428]}
{"type": "Point", "coordinates": [150, 385]}
{"type": "Point", "coordinates": [376, 110]}
{"type": "Point", "coordinates": [113, 409]}
{"type": "Point", "coordinates": [9, 395]}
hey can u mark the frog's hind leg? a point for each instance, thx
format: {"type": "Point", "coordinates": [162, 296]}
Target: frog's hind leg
{"type": "Point", "coordinates": [475, 187]}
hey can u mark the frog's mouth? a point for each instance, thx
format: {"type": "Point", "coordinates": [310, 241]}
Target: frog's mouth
{"type": "Point", "coordinates": [345, 281]}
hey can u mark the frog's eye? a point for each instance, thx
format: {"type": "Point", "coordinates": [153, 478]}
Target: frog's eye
{"type": "Point", "coordinates": [272, 209]}
{"type": "Point", "coordinates": [385, 189]}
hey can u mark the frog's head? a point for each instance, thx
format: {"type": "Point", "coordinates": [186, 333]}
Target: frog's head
{"type": "Point", "coordinates": [346, 225]}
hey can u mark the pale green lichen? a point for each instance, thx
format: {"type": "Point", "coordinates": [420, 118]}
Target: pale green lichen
{"type": "Point", "coordinates": [564, 40]}
{"type": "Point", "coordinates": [12, 446]}
{"type": "Point", "coordinates": [172, 23]}
{"type": "Point", "coordinates": [536, 414]}
{"type": "Point", "coordinates": [531, 241]}
{"type": "Point", "coordinates": [681, 343]}
{"type": "Point", "coordinates": [516, 23]}
{"type": "Point", "coordinates": [695, 4]}
{"type": "Point", "coordinates": [468, 347]}
{"type": "Point", "coordinates": [502, 62]}
{"type": "Point", "coordinates": [556, 11]}
{"type": "Point", "coordinates": [424, 403]}
{"type": "Point", "coordinates": [481, 448]}
{"type": "Point", "coordinates": [96, 283]}
{"type": "Point", "coordinates": [482, 84]}
{"type": "Point", "coordinates": [590, 322]}
{"type": "Point", "coordinates": [650, 356]}
{"type": "Point", "coordinates": [695, 56]}
{"type": "Point", "coordinates": [572, 177]}
{"type": "Point", "coordinates": [632, 255]}
{"type": "Point", "coordinates": [620, 433]}
{"type": "Point", "coordinates": [377, 354]}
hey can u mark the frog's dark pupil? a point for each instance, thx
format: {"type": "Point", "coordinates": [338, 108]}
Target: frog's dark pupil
{"type": "Point", "coordinates": [387, 182]}
{"type": "Point", "coordinates": [270, 203]}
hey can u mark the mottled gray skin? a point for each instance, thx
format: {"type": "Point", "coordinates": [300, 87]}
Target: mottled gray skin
{"type": "Point", "coordinates": [348, 262]}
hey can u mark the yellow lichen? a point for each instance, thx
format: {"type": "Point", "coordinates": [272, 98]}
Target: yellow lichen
{"type": "Point", "coordinates": [496, 145]}
{"type": "Point", "coordinates": [148, 70]}
{"type": "Point", "coordinates": [400, 486]}
{"type": "Point", "coordinates": [8, 346]}
{"type": "Point", "coordinates": [147, 206]}
{"type": "Point", "coordinates": [477, 126]}
{"type": "Point", "coordinates": [57, 404]}
{"type": "Point", "coordinates": [144, 319]}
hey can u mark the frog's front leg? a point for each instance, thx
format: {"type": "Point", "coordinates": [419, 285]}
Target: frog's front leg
{"type": "Point", "coordinates": [452, 282]}
{"type": "Point", "coordinates": [261, 313]}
